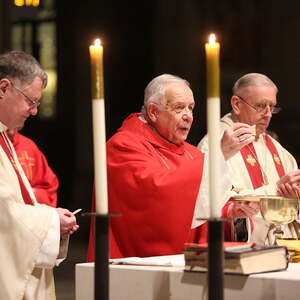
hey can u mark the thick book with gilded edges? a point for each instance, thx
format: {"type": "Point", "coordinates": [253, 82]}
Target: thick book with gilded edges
{"type": "Point", "coordinates": [239, 258]}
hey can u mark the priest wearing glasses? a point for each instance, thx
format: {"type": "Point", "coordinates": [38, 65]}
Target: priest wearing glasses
{"type": "Point", "coordinates": [33, 237]}
{"type": "Point", "coordinates": [263, 166]}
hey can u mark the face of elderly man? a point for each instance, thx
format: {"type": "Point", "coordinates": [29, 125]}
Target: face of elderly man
{"type": "Point", "coordinates": [173, 119]}
{"type": "Point", "coordinates": [19, 103]}
{"type": "Point", "coordinates": [254, 104]}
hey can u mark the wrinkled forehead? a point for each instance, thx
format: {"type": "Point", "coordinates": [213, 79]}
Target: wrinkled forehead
{"type": "Point", "coordinates": [259, 93]}
{"type": "Point", "coordinates": [178, 92]}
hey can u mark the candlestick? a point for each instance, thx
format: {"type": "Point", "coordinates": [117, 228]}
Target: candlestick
{"type": "Point", "coordinates": [212, 50]}
{"type": "Point", "coordinates": [99, 135]}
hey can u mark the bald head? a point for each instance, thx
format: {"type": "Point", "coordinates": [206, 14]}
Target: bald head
{"type": "Point", "coordinates": [254, 101]}
{"type": "Point", "coordinates": [156, 89]}
{"type": "Point", "coordinates": [252, 79]}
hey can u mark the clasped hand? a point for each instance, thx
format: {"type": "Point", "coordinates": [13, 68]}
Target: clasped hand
{"type": "Point", "coordinates": [235, 138]}
{"type": "Point", "coordinates": [243, 209]}
{"type": "Point", "coordinates": [68, 224]}
{"type": "Point", "coordinates": [289, 185]}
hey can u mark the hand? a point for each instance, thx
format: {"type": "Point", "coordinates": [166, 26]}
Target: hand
{"type": "Point", "coordinates": [243, 209]}
{"type": "Point", "coordinates": [288, 185]}
{"type": "Point", "coordinates": [68, 223]}
{"type": "Point", "coordinates": [235, 138]}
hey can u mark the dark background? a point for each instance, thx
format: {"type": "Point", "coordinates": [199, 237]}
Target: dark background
{"type": "Point", "coordinates": [143, 39]}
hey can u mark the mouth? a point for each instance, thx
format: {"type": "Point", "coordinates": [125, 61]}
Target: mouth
{"type": "Point", "coordinates": [184, 129]}
{"type": "Point", "coordinates": [262, 124]}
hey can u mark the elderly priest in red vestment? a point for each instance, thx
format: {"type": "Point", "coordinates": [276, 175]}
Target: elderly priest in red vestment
{"type": "Point", "coordinates": [263, 166]}
{"type": "Point", "coordinates": [155, 178]}
{"type": "Point", "coordinates": [31, 234]}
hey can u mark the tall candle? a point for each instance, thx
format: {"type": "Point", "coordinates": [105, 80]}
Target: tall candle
{"type": "Point", "coordinates": [212, 50]}
{"type": "Point", "coordinates": [99, 135]}
{"type": "Point", "coordinates": [96, 54]}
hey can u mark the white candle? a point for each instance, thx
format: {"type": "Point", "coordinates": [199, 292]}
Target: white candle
{"type": "Point", "coordinates": [212, 50]}
{"type": "Point", "coordinates": [99, 135]}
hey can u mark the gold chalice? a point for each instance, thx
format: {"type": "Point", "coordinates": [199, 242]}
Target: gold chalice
{"type": "Point", "coordinates": [278, 211]}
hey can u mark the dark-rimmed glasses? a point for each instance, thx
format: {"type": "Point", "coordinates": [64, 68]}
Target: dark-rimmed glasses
{"type": "Point", "coordinates": [31, 103]}
{"type": "Point", "coordinates": [262, 108]}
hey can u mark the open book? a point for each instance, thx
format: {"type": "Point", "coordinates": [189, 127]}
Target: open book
{"type": "Point", "coordinates": [166, 260]}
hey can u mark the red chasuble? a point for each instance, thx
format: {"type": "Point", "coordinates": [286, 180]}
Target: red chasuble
{"type": "Point", "coordinates": [154, 185]}
{"type": "Point", "coordinates": [42, 179]}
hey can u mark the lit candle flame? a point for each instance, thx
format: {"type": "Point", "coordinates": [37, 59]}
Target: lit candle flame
{"type": "Point", "coordinates": [97, 43]}
{"type": "Point", "coordinates": [212, 39]}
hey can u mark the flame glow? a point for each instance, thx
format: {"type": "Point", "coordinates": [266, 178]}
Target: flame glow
{"type": "Point", "coordinates": [212, 38]}
{"type": "Point", "coordinates": [97, 43]}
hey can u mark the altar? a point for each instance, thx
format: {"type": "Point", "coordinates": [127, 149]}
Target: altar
{"type": "Point", "coordinates": [132, 282]}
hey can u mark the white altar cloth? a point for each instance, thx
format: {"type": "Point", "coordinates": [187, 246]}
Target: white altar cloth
{"type": "Point", "coordinates": [132, 282]}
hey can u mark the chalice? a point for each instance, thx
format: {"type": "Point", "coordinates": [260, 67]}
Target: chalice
{"type": "Point", "coordinates": [278, 211]}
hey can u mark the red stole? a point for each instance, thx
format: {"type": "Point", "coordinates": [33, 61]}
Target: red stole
{"type": "Point", "coordinates": [4, 143]}
{"type": "Point", "coordinates": [253, 166]}
{"type": "Point", "coordinates": [275, 156]}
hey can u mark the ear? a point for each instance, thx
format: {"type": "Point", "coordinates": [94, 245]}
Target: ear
{"type": "Point", "coordinates": [4, 84]}
{"type": "Point", "coordinates": [235, 104]}
{"type": "Point", "coordinates": [152, 112]}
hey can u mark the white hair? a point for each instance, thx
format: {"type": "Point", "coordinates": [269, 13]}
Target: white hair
{"type": "Point", "coordinates": [155, 90]}
{"type": "Point", "coordinates": [252, 79]}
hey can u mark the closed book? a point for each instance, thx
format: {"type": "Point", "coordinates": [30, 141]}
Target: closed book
{"type": "Point", "coordinates": [243, 260]}
{"type": "Point", "coordinates": [226, 245]}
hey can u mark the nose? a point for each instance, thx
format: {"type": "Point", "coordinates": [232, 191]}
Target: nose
{"type": "Point", "coordinates": [268, 112]}
{"type": "Point", "coordinates": [34, 110]}
{"type": "Point", "coordinates": [187, 114]}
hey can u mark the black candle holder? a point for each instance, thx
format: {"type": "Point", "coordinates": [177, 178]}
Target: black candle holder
{"type": "Point", "coordinates": [215, 275]}
{"type": "Point", "coordinates": [101, 254]}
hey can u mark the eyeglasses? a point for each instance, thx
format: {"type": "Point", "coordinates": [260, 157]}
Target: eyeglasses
{"type": "Point", "coordinates": [262, 108]}
{"type": "Point", "coordinates": [31, 103]}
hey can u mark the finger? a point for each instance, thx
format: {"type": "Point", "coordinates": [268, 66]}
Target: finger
{"type": "Point", "coordinates": [290, 191]}
{"type": "Point", "coordinates": [248, 211]}
{"type": "Point", "coordinates": [284, 189]}
{"type": "Point", "coordinates": [296, 179]}
{"type": "Point", "coordinates": [75, 227]}
{"type": "Point", "coordinates": [247, 140]}
{"type": "Point", "coordinates": [296, 172]}
{"type": "Point", "coordinates": [70, 219]}
{"type": "Point", "coordinates": [292, 177]}
{"type": "Point", "coordinates": [279, 191]}
{"type": "Point", "coordinates": [285, 193]}
{"type": "Point", "coordinates": [243, 132]}
{"type": "Point", "coordinates": [68, 213]}
{"type": "Point", "coordinates": [255, 207]}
